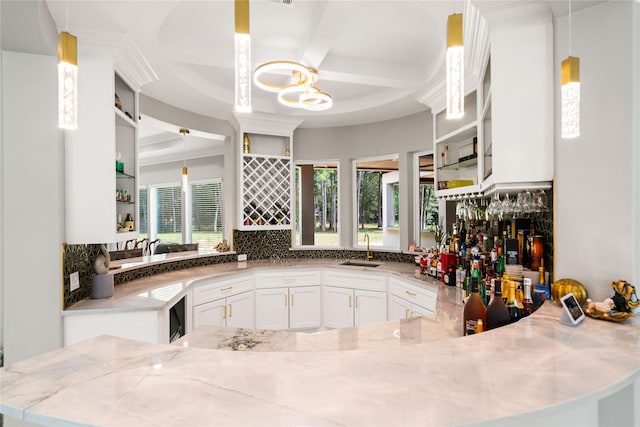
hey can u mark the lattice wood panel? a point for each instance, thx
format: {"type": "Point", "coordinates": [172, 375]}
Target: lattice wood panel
{"type": "Point", "coordinates": [266, 190]}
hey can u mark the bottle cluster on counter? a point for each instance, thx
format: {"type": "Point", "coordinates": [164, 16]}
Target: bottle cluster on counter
{"type": "Point", "coordinates": [496, 291]}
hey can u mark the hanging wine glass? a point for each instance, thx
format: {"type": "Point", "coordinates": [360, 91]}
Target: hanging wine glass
{"type": "Point", "coordinates": [493, 209]}
{"type": "Point", "coordinates": [540, 201]}
{"type": "Point", "coordinates": [506, 208]}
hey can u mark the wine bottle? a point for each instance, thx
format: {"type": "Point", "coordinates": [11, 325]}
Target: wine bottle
{"type": "Point", "coordinates": [473, 310]}
{"type": "Point", "coordinates": [497, 312]}
{"type": "Point", "coordinates": [512, 304]}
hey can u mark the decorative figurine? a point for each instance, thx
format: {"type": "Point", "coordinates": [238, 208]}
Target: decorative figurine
{"type": "Point", "coordinates": [222, 246]}
{"type": "Point", "coordinates": [625, 298]}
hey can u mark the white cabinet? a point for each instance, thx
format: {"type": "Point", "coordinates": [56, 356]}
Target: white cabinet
{"type": "Point", "coordinates": [353, 307]}
{"type": "Point", "coordinates": [224, 302]}
{"type": "Point", "coordinates": [407, 300]}
{"type": "Point", "coordinates": [400, 308]}
{"type": "Point", "coordinates": [235, 311]}
{"type": "Point", "coordinates": [288, 308]}
{"type": "Point", "coordinates": [98, 197]}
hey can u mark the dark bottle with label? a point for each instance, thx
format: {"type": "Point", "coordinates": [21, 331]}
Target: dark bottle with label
{"type": "Point", "coordinates": [450, 276]}
{"type": "Point", "coordinates": [497, 312]}
{"type": "Point", "coordinates": [474, 310]}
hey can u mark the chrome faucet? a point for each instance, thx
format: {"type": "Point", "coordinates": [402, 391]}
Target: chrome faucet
{"type": "Point", "coordinates": [369, 256]}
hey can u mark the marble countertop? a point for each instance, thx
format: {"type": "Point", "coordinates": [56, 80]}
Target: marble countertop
{"type": "Point", "coordinates": [524, 370]}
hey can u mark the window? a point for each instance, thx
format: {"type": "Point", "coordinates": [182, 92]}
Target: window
{"type": "Point", "coordinates": [426, 204]}
{"type": "Point", "coordinates": [317, 204]}
{"type": "Point", "coordinates": [377, 201]}
{"type": "Point", "coordinates": [143, 215]}
{"type": "Point", "coordinates": [206, 214]}
{"type": "Point", "coordinates": [162, 212]}
{"type": "Point", "coordinates": [169, 213]}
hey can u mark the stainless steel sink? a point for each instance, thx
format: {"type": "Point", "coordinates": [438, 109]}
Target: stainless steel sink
{"type": "Point", "coordinates": [360, 263]}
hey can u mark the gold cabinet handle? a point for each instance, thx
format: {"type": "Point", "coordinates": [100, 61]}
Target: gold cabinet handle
{"type": "Point", "coordinates": [224, 315]}
{"type": "Point", "coordinates": [406, 313]}
{"type": "Point", "coordinates": [286, 300]}
{"type": "Point", "coordinates": [356, 301]}
{"type": "Point", "coordinates": [349, 301]}
{"type": "Point", "coordinates": [226, 289]}
{"type": "Point", "coordinates": [291, 300]}
{"type": "Point", "coordinates": [230, 311]}
{"type": "Point", "coordinates": [411, 294]}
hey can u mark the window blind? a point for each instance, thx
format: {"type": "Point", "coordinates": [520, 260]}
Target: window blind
{"type": "Point", "coordinates": [206, 214]}
{"type": "Point", "coordinates": [169, 213]}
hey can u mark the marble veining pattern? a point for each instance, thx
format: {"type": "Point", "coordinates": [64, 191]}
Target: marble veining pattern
{"type": "Point", "coordinates": [124, 383]}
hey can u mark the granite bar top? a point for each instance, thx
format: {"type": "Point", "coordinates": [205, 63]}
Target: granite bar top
{"type": "Point", "coordinates": [523, 373]}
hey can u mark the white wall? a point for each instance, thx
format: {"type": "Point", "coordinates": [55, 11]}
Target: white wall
{"type": "Point", "coordinates": [33, 205]}
{"type": "Point", "coordinates": [596, 187]}
{"type": "Point", "coordinates": [171, 172]}
{"type": "Point", "coordinates": [399, 136]}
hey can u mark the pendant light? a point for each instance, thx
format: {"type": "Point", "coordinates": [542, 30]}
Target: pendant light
{"type": "Point", "coordinates": [67, 79]}
{"type": "Point", "coordinates": [185, 173]}
{"type": "Point", "coordinates": [570, 92]}
{"type": "Point", "coordinates": [242, 41]}
{"type": "Point", "coordinates": [455, 67]}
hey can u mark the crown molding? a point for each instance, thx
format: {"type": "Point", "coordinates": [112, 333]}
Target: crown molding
{"type": "Point", "coordinates": [264, 123]}
{"type": "Point", "coordinates": [129, 62]}
{"type": "Point", "coordinates": [508, 10]}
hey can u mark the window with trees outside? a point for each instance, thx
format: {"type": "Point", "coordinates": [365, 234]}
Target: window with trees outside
{"type": "Point", "coordinates": [162, 212]}
{"type": "Point", "coordinates": [316, 204]}
{"type": "Point", "coordinates": [427, 203]}
{"type": "Point", "coordinates": [377, 201]}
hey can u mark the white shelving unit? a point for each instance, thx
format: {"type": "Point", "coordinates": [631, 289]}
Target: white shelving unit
{"type": "Point", "coordinates": [96, 207]}
{"type": "Point", "coordinates": [456, 148]}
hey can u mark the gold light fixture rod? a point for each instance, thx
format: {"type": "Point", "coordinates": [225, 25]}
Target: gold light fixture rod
{"type": "Point", "coordinates": [570, 70]}
{"type": "Point", "coordinates": [184, 131]}
{"type": "Point", "coordinates": [242, 16]}
{"type": "Point", "coordinates": [67, 48]}
{"type": "Point", "coordinates": [454, 30]}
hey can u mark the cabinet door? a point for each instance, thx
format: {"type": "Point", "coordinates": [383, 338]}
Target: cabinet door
{"type": "Point", "coordinates": [304, 307]}
{"type": "Point", "coordinates": [211, 313]}
{"type": "Point", "coordinates": [272, 308]}
{"type": "Point", "coordinates": [338, 307]}
{"type": "Point", "coordinates": [416, 311]}
{"type": "Point", "coordinates": [371, 307]}
{"type": "Point", "coordinates": [240, 310]}
{"type": "Point", "coordinates": [398, 308]}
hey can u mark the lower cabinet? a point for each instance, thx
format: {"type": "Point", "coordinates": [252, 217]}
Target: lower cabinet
{"type": "Point", "coordinates": [234, 311]}
{"type": "Point", "coordinates": [402, 309]}
{"type": "Point", "coordinates": [288, 308]}
{"type": "Point", "coordinates": [353, 307]}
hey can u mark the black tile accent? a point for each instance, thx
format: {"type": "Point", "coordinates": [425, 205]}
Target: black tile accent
{"type": "Point", "coordinates": [77, 258]}
{"type": "Point", "coordinates": [262, 244]}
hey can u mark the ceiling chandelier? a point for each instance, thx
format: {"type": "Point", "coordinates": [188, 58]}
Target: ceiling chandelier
{"type": "Point", "coordinates": [302, 93]}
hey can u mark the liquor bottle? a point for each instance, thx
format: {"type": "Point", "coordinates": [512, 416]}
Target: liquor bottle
{"type": "Point", "coordinates": [500, 266]}
{"type": "Point", "coordinates": [479, 326]}
{"type": "Point", "coordinates": [512, 304]}
{"type": "Point", "coordinates": [497, 312]}
{"type": "Point", "coordinates": [527, 301]}
{"type": "Point", "coordinates": [450, 276]}
{"type": "Point", "coordinates": [128, 222]}
{"type": "Point", "coordinates": [473, 310]}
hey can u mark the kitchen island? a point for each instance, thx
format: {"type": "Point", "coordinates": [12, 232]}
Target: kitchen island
{"type": "Point", "coordinates": [534, 372]}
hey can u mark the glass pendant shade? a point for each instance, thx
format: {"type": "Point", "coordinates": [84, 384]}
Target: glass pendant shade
{"type": "Point", "coordinates": [242, 42]}
{"type": "Point", "coordinates": [67, 81]}
{"type": "Point", "coordinates": [185, 179]}
{"type": "Point", "coordinates": [455, 67]}
{"type": "Point", "coordinates": [570, 97]}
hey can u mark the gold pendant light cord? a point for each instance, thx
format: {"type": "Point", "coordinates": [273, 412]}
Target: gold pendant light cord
{"type": "Point", "coordinates": [570, 50]}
